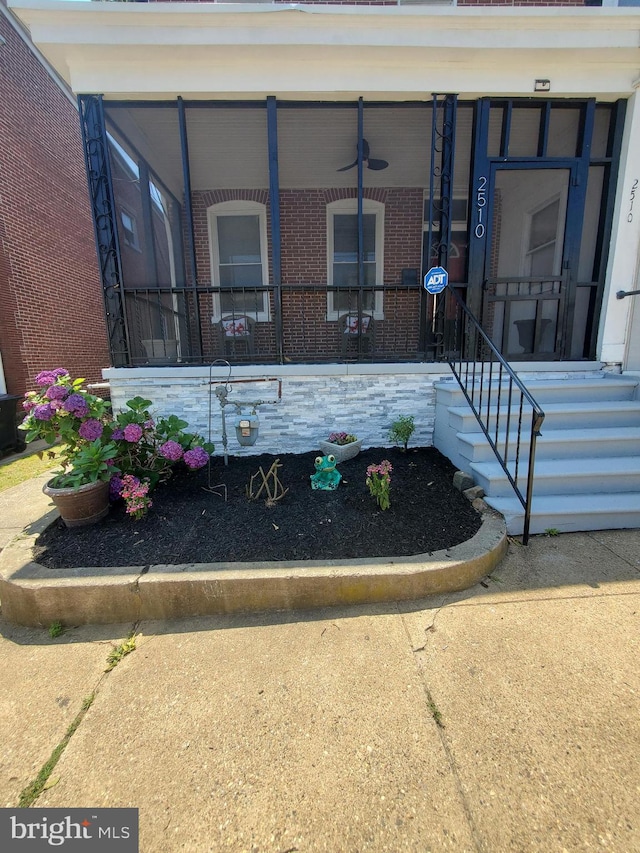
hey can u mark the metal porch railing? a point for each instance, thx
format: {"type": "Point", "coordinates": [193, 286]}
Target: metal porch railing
{"type": "Point", "coordinates": [507, 413]}
{"type": "Point", "coordinates": [294, 323]}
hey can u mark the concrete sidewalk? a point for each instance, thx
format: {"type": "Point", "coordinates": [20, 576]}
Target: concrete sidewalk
{"type": "Point", "coordinates": [502, 718]}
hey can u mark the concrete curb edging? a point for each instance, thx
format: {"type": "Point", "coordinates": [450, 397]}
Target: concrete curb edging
{"type": "Point", "coordinates": [36, 596]}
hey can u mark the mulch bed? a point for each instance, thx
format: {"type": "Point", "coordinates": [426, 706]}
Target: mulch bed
{"type": "Point", "coordinates": [189, 523]}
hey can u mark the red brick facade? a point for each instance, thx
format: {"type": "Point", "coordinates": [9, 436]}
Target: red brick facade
{"type": "Point", "coordinates": [51, 311]}
{"type": "Point", "coordinates": [303, 226]}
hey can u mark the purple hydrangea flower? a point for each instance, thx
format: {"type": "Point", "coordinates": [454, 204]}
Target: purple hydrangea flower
{"type": "Point", "coordinates": [197, 457]}
{"type": "Point", "coordinates": [56, 405]}
{"type": "Point", "coordinates": [43, 412]}
{"type": "Point", "coordinates": [133, 433]}
{"type": "Point", "coordinates": [60, 371]}
{"type": "Point", "coordinates": [115, 488]}
{"type": "Point", "coordinates": [117, 434]}
{"type": "Point", "coordinates": [90, 429]}
{"type": "Point", "coordinates": [170, 450]}
{"type": "Point", "coordinates": [77, 405]}
{"type": "Point", "coordinates": [56, 392]}
{"type": "Point", "coordinates": [46, 377]}
{"type": "Point", "coordinates": [28, 405]}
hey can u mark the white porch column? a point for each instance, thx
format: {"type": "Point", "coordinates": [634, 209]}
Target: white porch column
{"type": "Point", "coordinates": [625, 244]}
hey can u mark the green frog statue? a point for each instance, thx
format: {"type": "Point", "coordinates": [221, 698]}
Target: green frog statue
{"type": "Point", "coordinates": [327, 475]}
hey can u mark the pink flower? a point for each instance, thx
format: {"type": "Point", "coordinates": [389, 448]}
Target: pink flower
{"type": "Point", "coordinates": [57, 392]}
{"type": "Point", "coordinates": [133, 433]}
{"type": "Point", "coordinates": [195, 458]}
{"type": "Point", "coordinates": [171, 450]}
{"type": "Point", "coordinates": [90, 429]}
{"type": "Point", "coordinates": [46, 377]}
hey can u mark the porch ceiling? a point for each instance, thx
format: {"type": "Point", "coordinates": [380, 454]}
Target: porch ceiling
{"type": "Point", "coordinates": [228, 146]}
{"type": "Point", "coordinates": [219, 50]}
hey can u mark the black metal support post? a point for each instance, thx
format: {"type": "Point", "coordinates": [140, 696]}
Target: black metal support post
{"type": "Point", "coordinates": [186, 175]}
{"type": "Point", "coordinates": [96, 155]}
{"type": "Point", "coordinates": [274, 207]}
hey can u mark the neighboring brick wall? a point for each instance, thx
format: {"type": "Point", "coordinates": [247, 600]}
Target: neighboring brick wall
{"type": "Point", "coordinates": [311, 407]}
{"type": "Point", "coordinates": [51, 311]}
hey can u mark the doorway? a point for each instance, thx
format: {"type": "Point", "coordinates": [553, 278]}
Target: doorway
{"type": "Point", "coordinates": [527, 265]}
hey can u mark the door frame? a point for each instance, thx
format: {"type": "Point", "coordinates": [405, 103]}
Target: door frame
{"type": "Point", "coordinates": [568, 259]}
{"type": "Point", "coordinates": [484, 170]}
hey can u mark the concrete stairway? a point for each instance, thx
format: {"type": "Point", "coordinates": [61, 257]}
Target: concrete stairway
{"type": "Point", "coordinates": [587, 470]}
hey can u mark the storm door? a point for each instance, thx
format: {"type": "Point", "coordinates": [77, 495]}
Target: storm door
{"type": "Point", "coordinates": [527, 265]}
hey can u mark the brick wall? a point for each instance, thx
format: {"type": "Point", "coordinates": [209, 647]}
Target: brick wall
{"type": "Point", "coordinates": [303, 225]}
{"type": "Point", "coordinates": [51, 310]}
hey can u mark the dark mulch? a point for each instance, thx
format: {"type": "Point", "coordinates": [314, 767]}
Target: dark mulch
{"type": "Point", "coordinates": [188, 523]}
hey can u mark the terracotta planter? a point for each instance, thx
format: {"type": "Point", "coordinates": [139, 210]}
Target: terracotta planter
{"type": "Point", "coordinates": [82, 506]}
{"type": "Point", "coordinates": [342, 452]}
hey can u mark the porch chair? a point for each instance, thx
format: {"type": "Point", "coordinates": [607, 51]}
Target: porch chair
{"type": "Point", "coordinates": [237, 331]}
{"type": "Point", "coordinates": [350, 327]}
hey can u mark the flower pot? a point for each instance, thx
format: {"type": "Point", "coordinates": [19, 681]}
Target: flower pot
{"type": "Point", "coordinates": [342, 452]}
{"type": "Point", "coordinates": [80, 506]}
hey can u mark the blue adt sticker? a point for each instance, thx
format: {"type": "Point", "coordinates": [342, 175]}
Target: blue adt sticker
{"type": "Point", "coordinates": [436, 280]}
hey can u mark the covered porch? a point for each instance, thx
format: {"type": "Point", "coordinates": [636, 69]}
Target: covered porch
{"type": "Point", "coordinates": [300, 232]}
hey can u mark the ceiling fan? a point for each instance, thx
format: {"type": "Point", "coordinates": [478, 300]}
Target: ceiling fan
{"type": "Point", "coordinates": [369, 162]}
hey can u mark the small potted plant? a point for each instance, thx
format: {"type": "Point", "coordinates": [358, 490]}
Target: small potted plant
{"type": "Point", "coordinates": [343, 445]}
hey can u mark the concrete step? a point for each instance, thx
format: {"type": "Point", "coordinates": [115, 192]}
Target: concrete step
{"type": "Point", "coordinates": [546, 391]}
{"type": "Point", "coordinates": [571, 513]}
{"type": "Point", "coordinates": [557, 444]}
{"type": "Point", "coordinates": [563, 476]}
{"type": "Point", "coordinates": [581, 415]}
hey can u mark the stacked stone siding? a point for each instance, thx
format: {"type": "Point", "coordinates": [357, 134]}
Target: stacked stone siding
{"type": "Point", "coordinates": [311, 406]}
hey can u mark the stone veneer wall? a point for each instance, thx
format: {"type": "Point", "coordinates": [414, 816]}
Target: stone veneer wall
{"type": "Point", "coordinates": [315, 401]}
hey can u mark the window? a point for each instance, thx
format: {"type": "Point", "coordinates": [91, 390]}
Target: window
{"type": "Point", "coordinates": [129, 230]}
{"type": "Point", "coordinates": [459, 245]}
{"type": "Point", "coordinates": [238, 246]}
{"type": "Point", "coordinates": [342, 256]}
{"type": "Point", "coordinates": [545, 227]}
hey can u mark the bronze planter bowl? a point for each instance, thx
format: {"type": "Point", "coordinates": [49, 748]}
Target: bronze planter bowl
{"type": "Point", "coordinates": [81, 506]}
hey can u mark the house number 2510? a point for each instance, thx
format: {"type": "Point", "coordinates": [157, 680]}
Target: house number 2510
{"type": "Point", "coordinates": [632, 198]}
{"type": "Point", "coordinates": [481, 202]}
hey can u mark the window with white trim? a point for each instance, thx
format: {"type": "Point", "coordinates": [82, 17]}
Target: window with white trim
{"type": "Point", "coordinates": [129, 229]}
{"type": "Point", "coordinates": [342, 256]}
{"type": "Point", "coordinates": [238, 248]}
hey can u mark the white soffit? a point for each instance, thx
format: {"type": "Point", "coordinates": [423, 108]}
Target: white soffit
{"type": "Point", "coordinates": [222, 50]}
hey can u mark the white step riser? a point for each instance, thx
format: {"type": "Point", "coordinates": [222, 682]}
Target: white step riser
{"type": "Point", "coordinates": [497, 485]}
{"type": "Point", "coordinates": [578, 391]}
{"type": "Point", "coordinates": [572, 522]}
{"type": "Point", "coordinates": [553, 420]}
{"type": "Point", "coordinates": [553, 449]}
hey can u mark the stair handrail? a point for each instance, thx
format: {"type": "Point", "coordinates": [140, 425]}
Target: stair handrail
{"type": "Point", "coordinates": [472, 342]}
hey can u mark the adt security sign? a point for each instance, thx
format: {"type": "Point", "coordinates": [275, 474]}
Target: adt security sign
{"type": "Point", "coordinates": [436, 280]}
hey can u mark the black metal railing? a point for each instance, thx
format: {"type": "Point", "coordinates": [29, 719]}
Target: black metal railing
{"type": "Point", "coordinates": [506, 411]}
{"type": "Point", "coordinates": [318, 324]}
